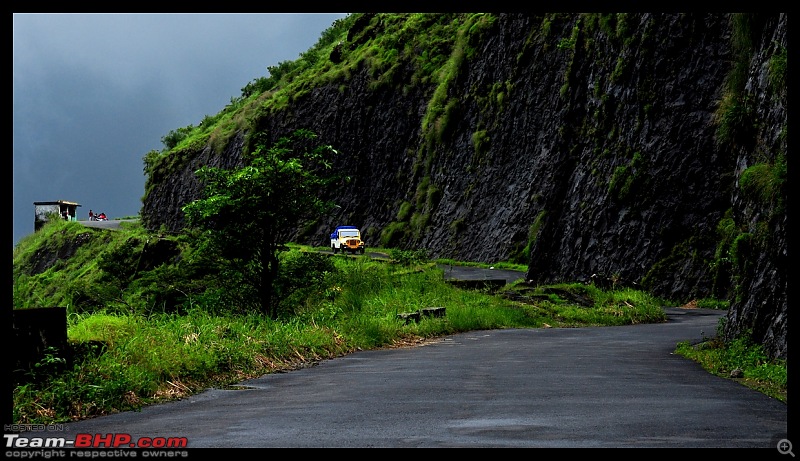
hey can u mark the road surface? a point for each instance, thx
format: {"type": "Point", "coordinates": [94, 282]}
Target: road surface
{"type": "Point", "coordinates": [557, 387]}
{"type": "Point", "coordinates": [110, 224]}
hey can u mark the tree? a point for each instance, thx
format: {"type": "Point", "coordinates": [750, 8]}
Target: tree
{"type": "Point", "coordinates": [247, 215]}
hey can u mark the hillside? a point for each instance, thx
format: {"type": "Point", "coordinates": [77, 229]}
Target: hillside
{"type": "Point", "coordinates": [647, 149]}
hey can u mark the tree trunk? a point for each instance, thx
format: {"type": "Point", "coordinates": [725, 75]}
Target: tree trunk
{"type": "Point", "coordinates": [269, 272]}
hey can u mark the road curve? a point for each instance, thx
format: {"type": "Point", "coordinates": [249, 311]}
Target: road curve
{"type": "Point", "coordinates": [556, 387]}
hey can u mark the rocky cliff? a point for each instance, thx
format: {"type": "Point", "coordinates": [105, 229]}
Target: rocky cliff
{"type": "Point", "coordinates": [648, 149]}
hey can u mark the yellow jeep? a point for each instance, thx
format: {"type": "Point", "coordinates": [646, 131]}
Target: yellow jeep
{"type": "Point", "coordinates": [347, 238]}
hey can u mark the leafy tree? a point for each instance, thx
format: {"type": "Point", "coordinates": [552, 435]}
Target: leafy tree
{"type": "Point", "coordinates": [248, 214]}
{"type": "Point", "coordinates": [174, 137]}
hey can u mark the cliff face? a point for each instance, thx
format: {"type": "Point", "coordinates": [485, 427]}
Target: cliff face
{"type": "Point", "coordinates": [579, 144]}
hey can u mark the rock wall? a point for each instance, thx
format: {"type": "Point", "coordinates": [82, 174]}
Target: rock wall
{"type": "Point", "coordinates": [579, 144]}
{"type": "Point", "coordinates": [759, 302]}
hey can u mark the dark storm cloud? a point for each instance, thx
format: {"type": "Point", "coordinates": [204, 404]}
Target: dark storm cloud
{"type": "Point", "coordinates": [93, 93]}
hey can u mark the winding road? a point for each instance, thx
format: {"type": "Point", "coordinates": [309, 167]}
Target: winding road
{"type": "Point", "coordinates": [594, 387]}
{"type": "Point", "coordinates": [557, 387]}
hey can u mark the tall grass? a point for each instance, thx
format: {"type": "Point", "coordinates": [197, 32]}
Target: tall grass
{"type": "Point", "coordinates": [121, 359]}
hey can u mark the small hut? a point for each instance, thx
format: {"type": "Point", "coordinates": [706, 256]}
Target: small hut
{"type": "Point", "coordinates": [43, 210]}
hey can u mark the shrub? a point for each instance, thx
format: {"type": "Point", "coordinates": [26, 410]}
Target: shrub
{"type": "Point", "coordinates": [394, 234]}
{"type": "Point", "coordinates": [408, 257]}
{"type": "Point", "coordinates": [301, 275]}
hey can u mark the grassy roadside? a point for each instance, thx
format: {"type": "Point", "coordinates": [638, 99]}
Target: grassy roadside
{"type": "Point", "coordinates": [122, 358]}
{"type": "Point", "coordinates": [742, 361]}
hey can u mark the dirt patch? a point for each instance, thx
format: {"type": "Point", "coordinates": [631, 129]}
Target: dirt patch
{"type": "Point", "coordinates": [690, 305]}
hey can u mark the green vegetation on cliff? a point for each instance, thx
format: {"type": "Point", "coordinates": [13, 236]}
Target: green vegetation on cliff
{"type": "Point", "coordinates": [149, 318]}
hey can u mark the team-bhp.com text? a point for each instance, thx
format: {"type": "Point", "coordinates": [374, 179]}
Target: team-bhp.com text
{"type": "Point", "coordinates": [24, 447]}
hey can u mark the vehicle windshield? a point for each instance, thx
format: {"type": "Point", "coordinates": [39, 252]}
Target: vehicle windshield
{"type": "Point", "coordinates": [348, 233]}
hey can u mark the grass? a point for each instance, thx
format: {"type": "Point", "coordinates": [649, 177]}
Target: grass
{"type": "Point", "coordinates": [129, 351]}
{"type": "Point", "coordinates": [742, 360]}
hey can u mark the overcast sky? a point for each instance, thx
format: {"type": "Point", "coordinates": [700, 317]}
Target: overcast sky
{"type": "Point", "coordinates": [93, 93]}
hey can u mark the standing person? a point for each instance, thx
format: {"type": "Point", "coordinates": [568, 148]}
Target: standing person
{"type": "Point", "coordinates": [91, 215]}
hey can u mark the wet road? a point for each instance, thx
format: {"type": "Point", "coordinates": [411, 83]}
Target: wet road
{"type": "Point", "coordinates": [450, 272]}
{"type": "Point", "coordinates": [110, 224]}
{"type": "Point", "coordinates": [556, 387]}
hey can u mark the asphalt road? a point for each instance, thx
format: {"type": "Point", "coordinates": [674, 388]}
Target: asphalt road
{"type": "Point", "coordinates": [450, 272]}
{"type": "Point", "coordinates": [557, 387]}
{"type": "Point", "coordinates": [110, 224]}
